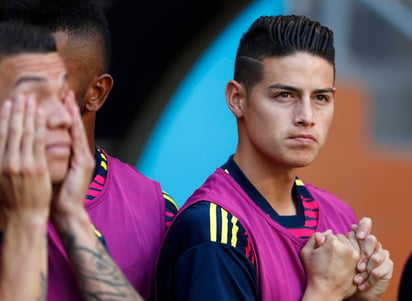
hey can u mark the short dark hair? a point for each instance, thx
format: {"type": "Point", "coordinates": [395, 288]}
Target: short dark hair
{"type": "Point", "coordinates": [18, 38]}
{"type": "Point", "coordinates": [277, 36]}
{"type": "Point", "coordinates": [82, 19]}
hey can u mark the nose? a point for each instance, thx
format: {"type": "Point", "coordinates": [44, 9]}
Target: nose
{"type": "Point", "coordinates": [304, 115]}
{"type": "Point", "coordinates": [58, 115]}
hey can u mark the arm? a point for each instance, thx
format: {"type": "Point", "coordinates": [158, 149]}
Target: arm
{"type": "Point", "coordinates": [25, 194]}
{"type": "Point", "coordinates": [98, 276]}
{"type": "Point", "coordinates": [223, 272]}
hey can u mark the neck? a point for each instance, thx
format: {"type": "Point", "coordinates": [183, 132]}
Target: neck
{"type": "Point", "coordinates": [275, 183]}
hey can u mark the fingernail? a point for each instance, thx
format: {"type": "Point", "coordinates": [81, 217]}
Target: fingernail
{"type": "Point", "coordinates": [361, 266]}
{"type": "Point", "coordinates": [358, 278]}
{"type": "Point", "coordinates": [361, 234]}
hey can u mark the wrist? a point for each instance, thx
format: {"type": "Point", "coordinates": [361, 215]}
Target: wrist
{"type": "Point", "coordinates": [69, 221]}
{"type": "Point", "coordinates": [320, 294]}
{"type": "Point", "coordinates": [30, 221]}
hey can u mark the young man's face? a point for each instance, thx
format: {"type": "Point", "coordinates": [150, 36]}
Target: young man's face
{"type": "Point", "coordinates": [44, 76]}
{"type": "Point", "coordinates": [288, 114]}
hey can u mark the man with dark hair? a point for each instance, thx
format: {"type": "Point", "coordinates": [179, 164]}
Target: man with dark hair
{"type": "Point", "coordinates": [45, 168]}
{"type": "Point", "coordinates": [129, 211]}
{"type": "Point", "coordinates": [254, 230]}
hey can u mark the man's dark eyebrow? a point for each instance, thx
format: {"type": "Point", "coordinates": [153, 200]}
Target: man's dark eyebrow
{"type": "Point", "coordinates": [25, 79]}
{"type": "Point", "coordinates": [32, 78]}
{"type": "Point", "coordinates": [294, 89]}
{"type": "Point", "coordinates": [284, 87]}
{"type": "Point", "coordinates": [326, 90]}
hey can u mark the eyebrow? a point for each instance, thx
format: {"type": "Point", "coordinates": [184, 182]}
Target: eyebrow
{"type": "Point", "coordinates": [294, 89]}
{"type": "Point", "coordinates": [25, 79]}
{"type": "Point", "coordinates": [29, 78]}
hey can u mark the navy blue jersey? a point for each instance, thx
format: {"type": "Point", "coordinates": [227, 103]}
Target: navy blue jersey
{"type": "Point", "coordinates": [207, 254]}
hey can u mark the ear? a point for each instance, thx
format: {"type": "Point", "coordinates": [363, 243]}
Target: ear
{"type": "Point", "coordinates": [97, 92]}
{"type": "Point", "coordinates": [236, 98]}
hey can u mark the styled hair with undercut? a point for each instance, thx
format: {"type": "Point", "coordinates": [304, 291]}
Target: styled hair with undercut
{"type": "Point", "coordinates": [278, 36]}
{"type": "Point", "coordinates": [81, 19]}
{"type": "Point", "coordinates": [17, 38]}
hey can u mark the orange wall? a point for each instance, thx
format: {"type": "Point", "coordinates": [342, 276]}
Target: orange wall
{"type": "Point", "coordinates": [372, 179]}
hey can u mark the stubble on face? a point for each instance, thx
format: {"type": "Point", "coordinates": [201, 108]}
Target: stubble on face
{"type": "Point", "coordinates": [285, 122]}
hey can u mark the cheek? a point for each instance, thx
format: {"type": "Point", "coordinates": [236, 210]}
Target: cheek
{"type": "Point", "coordinates": [326, 122]}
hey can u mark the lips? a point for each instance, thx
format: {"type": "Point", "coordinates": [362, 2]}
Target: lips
{"type": "Point", "coordinates": [303, 138]}
{"type": "Point", "coordinates": [59, 149]}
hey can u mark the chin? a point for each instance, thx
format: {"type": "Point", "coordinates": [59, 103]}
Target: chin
{"type": "Point", "coordinates": [58, 173]}
{"type": "Point", "coordinates": [301, 162]}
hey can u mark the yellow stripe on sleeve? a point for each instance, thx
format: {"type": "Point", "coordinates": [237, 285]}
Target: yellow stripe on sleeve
{"type": "Point", "coordinates": [212, 217]}
{"type": "Point", "coordinates": [299, 182]}
{"type": "Point", "coordinates": [170, 199]}
{"type": "Point", "coordinates": [235, 229]}
{"type": "Point", "coordinates": [224, 226]}
{"type": "Point", "coordinates": [103, 164]}
{"type": "Point", "coordinates": [103, 156]}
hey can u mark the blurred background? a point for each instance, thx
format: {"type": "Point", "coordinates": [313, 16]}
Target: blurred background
{"type": "Point", "coordinates": [167, 114]}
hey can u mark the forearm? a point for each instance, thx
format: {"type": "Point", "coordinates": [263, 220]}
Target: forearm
{"type": "Point", "coordinates": [98, 276]}
{"type": "Point", "coordinates": [24, 260]}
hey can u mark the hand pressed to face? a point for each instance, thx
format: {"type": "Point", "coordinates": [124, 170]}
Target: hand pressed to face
{"type": "Point", "coordinates": [69, 195]}
{"type": "Point", "coordinates": [44, 77]}
{"type": "Point", "coordinates": [25, 186]}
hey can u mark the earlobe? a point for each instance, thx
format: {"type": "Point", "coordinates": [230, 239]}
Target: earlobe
{"type": "Point", "coordinates": [97, 92]}
{"type": "Point", "coordinates": [235, 98]}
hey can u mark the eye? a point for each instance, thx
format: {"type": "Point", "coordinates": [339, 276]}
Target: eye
{"type": "Point", "coordinates": [284, 94]}
{"type": "Point", "coordinates": [322, 98]}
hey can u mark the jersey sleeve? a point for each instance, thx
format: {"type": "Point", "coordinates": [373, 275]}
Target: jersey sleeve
{"type": "Point", "coordinates": [171, 208]}
{"type": "Point", "coordinates": [206, 256]}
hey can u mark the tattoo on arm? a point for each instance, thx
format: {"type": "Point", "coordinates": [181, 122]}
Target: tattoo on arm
{"type": "Point", "coordinates": [99, 277]}
{"type": "Point", "coordinates": [43, 287]}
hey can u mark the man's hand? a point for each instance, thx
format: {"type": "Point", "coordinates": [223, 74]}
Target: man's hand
{"type": "Point", "coordinates": [25, 195]}
{"type": "Point", "coordinates": [375, 268]}
{"type": "Point", "coordinates": [25, 186]}
{"type": "Point", "coordinates": [330, 265]}
{"type": "Point", "coordinates": [68, 199]}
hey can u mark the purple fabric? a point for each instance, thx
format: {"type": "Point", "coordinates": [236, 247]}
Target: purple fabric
{"type": "Point", "coordinates": [280, 272]}
{"type": "Point", "coordinates": [130, 213]}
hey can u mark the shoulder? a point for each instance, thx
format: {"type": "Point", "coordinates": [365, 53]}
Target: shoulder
{"type": "Point", "coordinates": [207, 222]}
{"type": "Point", "coordinates": [119, 165]}
{"type": "Point", "coordinates": [207, 241]}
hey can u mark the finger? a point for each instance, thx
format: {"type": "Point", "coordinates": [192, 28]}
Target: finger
{"type": "Point", "coordinates": [364, 228]}
{"type": "Point", "coordinates": [40, 138]}
{"type": "Point", "coordinates": [28, 133]}
{"type": "Point", "coordinates": [368, 246]}
{"type": "Point", "coordinates": [12, 155]}
{"type": "Point", "coordinates": [5, 114]}
{"type": "Point", "coordinates": [78, 131]}
{"type": "Point", "coordinates": [374, 261]}
{"type": "Point", "coordinates": [319, 239]}
{"type": "Point", "coordinates": [311, 243]}
{"type": "Point", "coordinates": [382, 271]}
{"type": "Point", "coordinates": [376, 258]}
{"type": "Point", "coordinates": [354, 242]}
{"type": "Point", "coordinates": [345, 241]}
